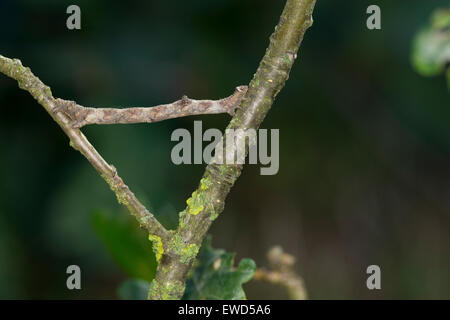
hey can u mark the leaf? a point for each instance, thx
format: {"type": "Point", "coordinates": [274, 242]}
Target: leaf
{"type": "Point", "coordinates": [431, 45]}
{"type": "Point", "coordinates": [215, 278]}
{"type": "Point", "coordinates": [133, 289]}
{"type": "Point", "coordinates": [127, 244]}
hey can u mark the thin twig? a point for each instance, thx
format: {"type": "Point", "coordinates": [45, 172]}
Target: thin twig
{"type": "Point", "coordinates": [282, 273]}
{"type": "Point", "coordinates": [13, 68]}
{"type": "Point", "coordinates": [81, 116]}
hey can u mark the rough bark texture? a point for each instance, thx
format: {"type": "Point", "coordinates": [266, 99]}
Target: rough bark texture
{"type": "Point", "coordinates": [176, 249]}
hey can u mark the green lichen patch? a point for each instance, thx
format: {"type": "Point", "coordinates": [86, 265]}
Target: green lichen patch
{"type": "Point", "coordinates": [189, 253]}
{"type": "Point", "coordinates": [153, 291]}
{"type": "Point", "coordinates": [186, 252]}
{"type": "Point", "coordinates": [181, 216]}
{"type": "Point", "coordinates": [121, 196]}
{"type": "Point", "coordinates": [196, 203]}
{"type": "Point", "coordinates": [157, 246]}
{"type": "Point", "coordinates": [171, 291]}
{"type": "Point", "coordinates": [205, 183]}
{"type": "Point", "coordinates": [176, 244]}
{"type": "Point", "coordinates": [144, 220]}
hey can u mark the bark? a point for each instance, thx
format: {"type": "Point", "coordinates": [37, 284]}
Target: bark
{"type": "Point", "coordinates": [207, 202]}
{"type": "Point", "coordinates": [176, 249]}
{"type": "Point", "coordinates": [81, 116]}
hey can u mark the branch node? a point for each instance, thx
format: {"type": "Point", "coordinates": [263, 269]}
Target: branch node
{"type": "Point", "coordinates": [233, 102]}
{"type": "Point", "coordinates": [185, 101]}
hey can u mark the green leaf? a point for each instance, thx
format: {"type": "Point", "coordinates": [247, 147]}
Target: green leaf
{"type": "Point", "coordinates": [215, 278]}
{"type": "Point", "coordinates": [133, 289]}
{"type": "Point", "coordinates": [127, 244]}
{"type": "Point", "coordinates": [431, 45]}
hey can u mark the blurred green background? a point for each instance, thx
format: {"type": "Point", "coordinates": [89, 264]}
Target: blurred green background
{"type": "Point", "coordinates": [364, 143]}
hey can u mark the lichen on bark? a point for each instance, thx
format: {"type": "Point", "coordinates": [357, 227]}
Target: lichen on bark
{"type": "Point", "coordinates": [207, 201]}
{"type": "Point", "coordinates": [176, 249]}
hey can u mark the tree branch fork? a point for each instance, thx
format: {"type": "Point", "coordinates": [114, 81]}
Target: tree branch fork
{"type": "Point", "coordinates": [72, 116]}
{"type": "Point", "coordinates": [176, 249]}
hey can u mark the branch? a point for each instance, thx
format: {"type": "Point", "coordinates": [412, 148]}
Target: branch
{"type": "Point", "coordinates": [81, 116]}
{"type": "Point", "coordinates": [28, 81]}
{"type": "Point", "coordinates": [283, 273]}
{"type": "Point", "coordinates": [207, 202]}
{"type": "Point", "coordinates": [179, 248]}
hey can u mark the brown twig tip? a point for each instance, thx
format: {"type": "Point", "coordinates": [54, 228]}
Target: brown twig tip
{"type": "Point", "coordinates": [282, 273]}
{"type": "Point", "coordinates": [81, 116]}
{"type": "Point", "coordinates": [279, 259]}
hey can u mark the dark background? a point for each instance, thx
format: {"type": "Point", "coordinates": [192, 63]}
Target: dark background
{"type": "Point", "coordinates": [364, 143]}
